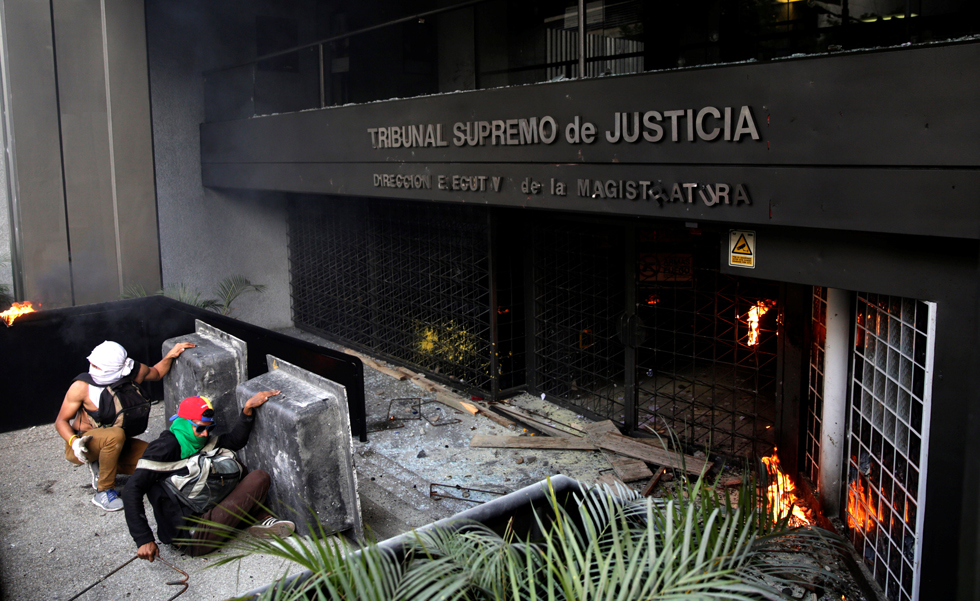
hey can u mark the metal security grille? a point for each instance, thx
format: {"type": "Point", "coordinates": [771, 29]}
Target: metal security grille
{"type": "Point", "coordinates": [701, 369]}
{"type": "Point", "coordinates": [407, 280]}
{"type": "Point", "coordinates": [888, 437]}
{"type": "Point", "coordinates": [707, 367]}
{"type": "Point", "coordinates": [578, 298]}
{"type": "Point", "coordinates": [814, 413]}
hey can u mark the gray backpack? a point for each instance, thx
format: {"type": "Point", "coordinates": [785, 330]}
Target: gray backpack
{"type": "Point", "coordinates": [202, 480]}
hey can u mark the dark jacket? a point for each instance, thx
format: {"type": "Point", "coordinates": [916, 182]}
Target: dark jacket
{"type": "Point", "coordinates": [169, 514]}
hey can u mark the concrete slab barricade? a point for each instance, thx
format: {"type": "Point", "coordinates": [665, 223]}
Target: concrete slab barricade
{"type": "Point", "coordinates": [302, 437]}
{"type": "Point", "coordinates": [213, 369]}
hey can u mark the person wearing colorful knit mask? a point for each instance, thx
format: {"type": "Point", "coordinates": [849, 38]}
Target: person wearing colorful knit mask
{"type": "Point", "coordinates": [165, 473]}
{"type": "Point", "coordinates": [105, 448]}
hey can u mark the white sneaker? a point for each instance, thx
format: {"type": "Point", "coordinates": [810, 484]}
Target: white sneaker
{"type": "Point", "coordinates": [271, 527]}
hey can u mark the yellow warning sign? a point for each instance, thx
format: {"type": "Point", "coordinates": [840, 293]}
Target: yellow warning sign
{"type": "Point", "coordinates": [742, 249]}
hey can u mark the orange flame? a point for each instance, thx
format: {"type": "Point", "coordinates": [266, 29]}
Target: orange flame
{"type": "Point", "coordinates": [15, 311]}
{"type": "Point", "coordinates": [753, 316]}
{"type": "Point", "coordinates": [860, 508]}
{"type": "Point", "coordinates": [782, 492]}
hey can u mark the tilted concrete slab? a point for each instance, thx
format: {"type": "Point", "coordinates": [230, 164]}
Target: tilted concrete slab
{"type": "Point", "coordinates": [212, 369]}
{"type": "Point", "coordinates": [302, 437]}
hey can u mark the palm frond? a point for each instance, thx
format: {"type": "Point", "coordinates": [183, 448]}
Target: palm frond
{"type": "Point", "coordinates": [230, 288]}
{"type": "Point", "coordinates": [181, 292]}
{"type": "Point", "coordinates": [134, 291]}
{"type": "Point", "coordinates": [601, 545]}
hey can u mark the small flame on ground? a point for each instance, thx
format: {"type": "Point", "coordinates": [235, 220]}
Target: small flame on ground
{"type": "Point", "coordinates": [860, 507]}
{"type": "Point", "coordinates": [15, 311]}
{"type": "Point", "coordinates": [782, 492]}
{"type": "Point", "coordinates": [753, 316]}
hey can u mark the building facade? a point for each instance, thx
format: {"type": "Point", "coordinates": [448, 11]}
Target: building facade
{"type": "Point", "coordinates": [753, 224]}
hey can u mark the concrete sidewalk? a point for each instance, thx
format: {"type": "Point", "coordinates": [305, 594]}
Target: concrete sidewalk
{"type": "Point", "coordinates": [54, 542]}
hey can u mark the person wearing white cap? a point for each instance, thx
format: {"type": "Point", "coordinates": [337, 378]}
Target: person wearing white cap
{"type": "Point", "coordinates": [96, 438]}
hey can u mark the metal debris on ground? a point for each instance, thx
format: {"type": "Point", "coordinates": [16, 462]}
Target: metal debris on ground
{"type": "Point", "coordinates": [466, 492]}
{"type": "Point", "coordinates": [135, 557]}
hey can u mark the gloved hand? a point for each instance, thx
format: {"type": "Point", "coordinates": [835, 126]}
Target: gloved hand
{"type": "Point", "coordinates": [80, 447]}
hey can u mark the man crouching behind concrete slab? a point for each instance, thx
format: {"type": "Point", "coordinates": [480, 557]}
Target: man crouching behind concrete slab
{"type": "Point", "coordinates": [187, 472]}
{"type": "Point", "coordinates": [102, 412]}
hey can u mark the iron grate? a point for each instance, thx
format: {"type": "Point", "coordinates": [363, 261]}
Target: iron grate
{"type": "Point", "coordinates": [703, 371]}
{"type": "Point", "coordinates": [578, 296]}
{"type": "Point", "coordinates": [814, 412]}
{"type": "Point", "coordinates": [888, 437]}
{"type": "Point", "coordinates": [407, 280]}
{"type": "Point", "coordinates": [695, 372]}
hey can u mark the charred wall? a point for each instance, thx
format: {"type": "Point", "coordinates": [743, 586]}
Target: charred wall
{"type": "Point", "coordinates": [207, 234]}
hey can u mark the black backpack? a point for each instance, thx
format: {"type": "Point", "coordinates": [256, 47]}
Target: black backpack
{"type": "Point", "coordinates": [122, 404]}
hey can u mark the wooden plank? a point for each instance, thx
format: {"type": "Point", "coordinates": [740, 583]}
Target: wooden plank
{"type": "Point", "coordinates": [451, 400]}
{"type": "Point", "coordinates": [498, 419]}
{"type": "Point", "coordinates": [627, 468]}
{"type": "Point", "coordinates": [624, 445]}
{"type": "Point", "coordinates": [390, 372]}
{"type": "Point", "coordinates": [423, 384]}
{"type": "Point", "coordinates": [468, 406]}
{"type": "Point", "coordinates": [407, 372]}
{"type": "Point", "coordinates": [532, 421]}
{"type": "Point", "coordinates": [652, 484]}
{"type": "Point", "coordinates": [610, 480]}
{"type": "Point", "coordinates": [729, 482]}
{"type": "Point", "coordinates": [556, 443]}
{"type": "Point", "coordinates": [597, 428]}
{"type": "Point", "coordinates": [377, 366]}
{"type": "Point", "coordinates": [459, 404]}
{"type": "Point", "coordinates": [656, 443]}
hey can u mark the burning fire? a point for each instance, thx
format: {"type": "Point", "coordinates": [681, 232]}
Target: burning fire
{"type": "Point", "coordinates": [860, 507]}
{"type": "Point", "coordinates": [782, 492]}
{"type": "Point", "coordinates": [753, 316]}
{"type": "Point", "coordinates": [15, 311]}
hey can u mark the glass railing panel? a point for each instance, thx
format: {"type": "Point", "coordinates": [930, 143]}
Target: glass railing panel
{"type": "Point", "coordinates": [288, 82]}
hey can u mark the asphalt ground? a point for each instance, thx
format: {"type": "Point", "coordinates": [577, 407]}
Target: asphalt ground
{"type": "Point", "coordinates": [54, 542]}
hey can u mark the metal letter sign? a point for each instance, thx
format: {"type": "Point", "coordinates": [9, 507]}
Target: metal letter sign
{"type": "Point", "coordinates": [741, 249]}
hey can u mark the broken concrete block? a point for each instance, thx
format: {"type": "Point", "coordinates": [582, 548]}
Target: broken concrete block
{"type": "Point", "coordinates": [302, 438]}
{"type": "Point", "coordinates": [212, 369]}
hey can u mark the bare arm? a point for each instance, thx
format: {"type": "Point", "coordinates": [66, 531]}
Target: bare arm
{"type": "Point", "coordinates": [74, 399]}
{"type": "Point", "coordinates": [155, 373]}
{"type": "Point", "coordinates": [257, 400]}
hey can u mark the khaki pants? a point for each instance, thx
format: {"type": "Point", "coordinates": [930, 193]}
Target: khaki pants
{"type": "Point", "coordinates": [114, 452]}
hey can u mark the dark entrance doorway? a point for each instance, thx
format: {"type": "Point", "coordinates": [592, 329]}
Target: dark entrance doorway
{"type": "Point", "coordinates": [637, 324]}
